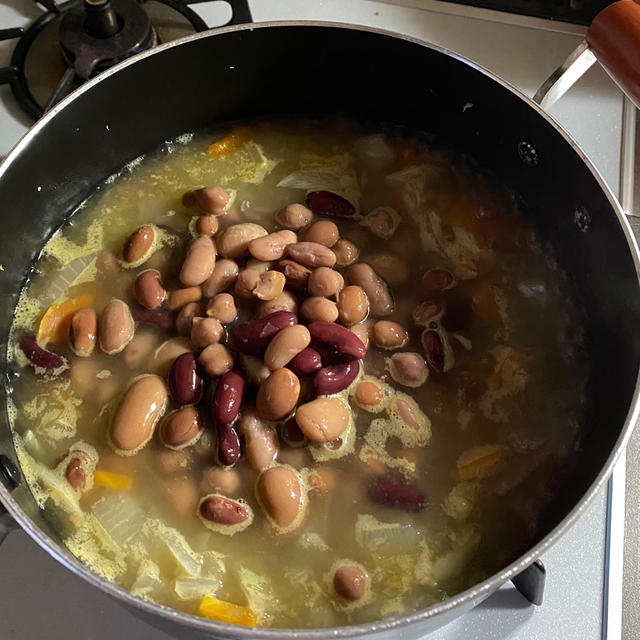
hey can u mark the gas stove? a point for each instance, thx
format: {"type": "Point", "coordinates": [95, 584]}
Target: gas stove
{"type": "Point", "coordinates": [43, 49]}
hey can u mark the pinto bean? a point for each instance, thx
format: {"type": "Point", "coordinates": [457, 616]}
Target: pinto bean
{"type": "Point", "coordinates": [285, 345]}
{"type": "Point", "coordinates": [184, 319]}
{"type": "Point", "coordinates": [246, 282]}
{"type": "Point", "coordinates": [214, 201]}
{"type": "Point", "coordinates": [326, 282]}
{"type": "Point", "coordinates": [362, 331]}
{"type": "Point", "coordinates": [271, 246]}
{"type": "Point", "coordinates": [223, 275]}
{"type": "Point", "coordinates": [270, 285]}
{"type": "Point", "coordinates": [278, 395]}
{"type": "Point", "coordinates": [323, 232]}
{"type": "Point", "coordinates": [180, 297]}
{"type": "Point", "coordinates": [408, 368]}
{"type": "Point", "coordinates": [380, 300]}
{"type": "Point", "coordinates": [166, 353]}
{"type": "Point", "coordinates": [323, 419]}
{"type": "Point", "coordinates": [286, 301]}
{"type": "Point", "coordinates": [346, 252]}
{"type": "Point", "coordinates": [148, 289]}
{"type": "Point", "coordinates": [181, 428]}
{"type": "Point", "coordinates": [169, 462]}
{"type": "Point", "coordinates": [227, 398]}
{"type": "Point", "coordinates": [199, 262]}
{"type": "Point", "coordinates": [138, 413]}
{"type": "Point", "coordinates": [206, 331]}
{"type": "Point", "coordinates": [222, 307]}
{"type": "Point", "coordinates": [234, 241]}
{"type": "Point", "coordinates": [252, 337]}
{"type": "Point", "coordinates": [260, 440]}
{"type": "Point", "coordinates": [319, 309]}
{"type": "Point", "coordinates": [219, 480]}
{"type": "Point", "coordinates": [308, 361]}
{"type": "Point", "coordinates": [280, 492]}
{"type": "Point", "coordinates": [116, 328]}
{"type": "Point", "coordinates": [427, 311]}
{"type": "Point", "coordinates": [436, 281]}
{"type": "Point", "coordinates": [182, 494]}
{"type": "Point", "coordinates": [185, 382]}
{"type": "Point", "coordinates": [350, 582]}
{"type": "Point", "coordinates": [216, 360]}
{"type": "Point", "coordinates": [140, 349]}
{"type": "Point", "coordinates": [206, 225]}
{"type": "Point", "coordinates": [336, 377]}
{"type": "Point", "coordinates": [294, 216]}
{"type": "Point", "coordinates": [258, 265]}
{"type": "Point", "coordinates": [382, 221]}
{"type": "Point", "coordinates": [391, 268]}
{"type": "Point", "coordinates": [140, 245]}
{"type": "Point", "coordinates": [339, 338]}
{"type": "Point", "coordinates": [256, 370]}
{"type": "Point", "coordinates": [389, 335]}
{"type": "Point", "coordinates": [82, 332]}
{"type": "Point", "coordinates": [353, 305]}
{"type": "Point", "coordinates": [295, 274]}
{"type": "Point", "coordinates": [311, 254]}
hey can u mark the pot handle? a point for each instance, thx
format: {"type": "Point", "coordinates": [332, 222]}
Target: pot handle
{"type": "Point", "coordinates": [240, 12]}
{"type": "Point", "coordinates": [7, 523]}
{"type": "Point", "coordinates": [614, 38]}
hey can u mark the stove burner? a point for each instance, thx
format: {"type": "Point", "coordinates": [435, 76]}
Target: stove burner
{"type": "Point", "coordinates": [91, 36]}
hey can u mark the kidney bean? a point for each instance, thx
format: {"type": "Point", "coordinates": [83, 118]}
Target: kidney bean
{"type": "Point", "coordinates": [212, 200]}
{"type": "Point", "coordinates": [326, 282]}
{"type": "Point", "coordinates": [256, 370]}
{"type": "Point", "coordinates": [346, 252]}
{"type": "Point", "coordinates": [278, 395]}
{"type": "Point", "coordinates": [137, 414]}
{"type": "Point", "coordinates": [391, 268]}
{"type": "Point", "coordinates": [291, 433]}
{"type": "Point", "coordinates": [380, 300]}
{"type": "Point", "coordinates": [75, 475]}
{"type": "Point", "coordinates": [222, 307]}
{"type": "Point", "coordinates": [437, 350]}
{"type": "Point", "coordinates": [228, 444]}
{"type": "Point", "coordinates": [185, 383]}
{"type": "Point", "coordinates": [311, 254]}
{"type": "Point", "coordinates": [158, 318]}
{"type": "Point", "coordinates": [140, 245]}
{"type": "Point", "coordinates": [252, 337]}
{"type": "Point", "coordinates": [323, 232]}
{"type": "Point", "coordinates": [389, 335]}
{"type": "Point", "coordinates": [294, 216]}
{"type": "Point", "coordinates": [234, 241]}
{"type": "Point", "coordinates": [223, 275]}
{"type": "Point", "coordinates": [427, 311]}
{"type": "Point", "coordinates": [116, 327]}
{"type": "Point", "coordinates": [353, 305]}
{"type": "Point", "coordinates": [329, 204]}
{"type": "Point", "coordinates": [296, 275]}
{"type": "Point", "coordinates": [437, 280]}
{"type": "Point", "coordinates": [180, 428]}
{"type": "Point", "coordinates": [206, 331]}
{"type": "Point", "coordinates": [260, 440]}
{"type": "Point", "coordinates": [216, 360]}
{"type": "Point", "coordinates": [408, 369]}
{"type": "Point", "coordinates": [350, 582]}
{"type": "Point", "coordinates": [319, 309]}
{"type": "Point", "coordinates": [227, 398]}
{"type": "Point", "coordinates": [271, 246]}
{"type": "Point", "coordinates": [224, 511]}
{"type": "Point", "coordinates": [336, 377]}
{"type": "Point", "coordinates": [396, 494]}
{"type": "Point", "coordinates": [82, 332]}
{"type": "Point", "coordinates": [166, 353]}
{"type": "Point", "coordinates": [43, 361]}
{"type": "Point", "coordinates": [148, 289]}
{"type": "Point", "coordinates": [285, 345]}
{"type": "Point", "coordinates": [217, 479]}
{"type": "Point", "coordinates": [280, 492]}
{"type": "Point", "coordinates": [180, 297]}
{"type": "Point", "coordinates": [338, 337]}
{"type": "Point", "coordinates": [286, 301]}
{"type": "Point", "coordinates": [184, 319]}
{"type": "Point", "coordinates": [458, 315]}
{"type": "Point", "coordinates": [308, 361]}
{"type": "Point", "coordinates": [206, 225]}
{"type": "Point", "coordinates": [199, 262]}
{"type": "Point", "coordinates": [323, 419]}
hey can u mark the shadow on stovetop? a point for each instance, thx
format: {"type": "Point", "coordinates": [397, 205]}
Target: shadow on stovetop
{"type": "Point", "coordinates": [506, 598]}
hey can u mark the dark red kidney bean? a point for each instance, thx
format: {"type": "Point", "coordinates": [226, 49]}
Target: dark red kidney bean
{"type": "Point", "coordinates": [159, 318]}
{"type": "Point", "coordinates": [40, 358]}
{"type": "Point", "coordinates": [335, 378]}
{"type": "Point", "coordinates": [329, 204]}
{"type": "Point", "coordinates": [292, 434]}
{"type": "Point", "coordinates": [338, 337]}
{"type": "Point", "coordinates": [458, 315]}
{"type": "Point", "coordinates": [395, 493]}
{"type": "Point", "coordinates": [306, 362]}
{"type": "Point", "coordinates": [434, 349]}
{"type": "Point", "coordinates": [185, 383]}
{"type": "Point", "coordinates": [252, 337]}
{"type": "Point", "coordinates": [228, 444]}
{"type": "Point", "coordinates": [227, 398]}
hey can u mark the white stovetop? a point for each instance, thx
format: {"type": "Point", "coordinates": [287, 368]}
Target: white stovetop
{"type": "Point", "coordinates": [40, 599]}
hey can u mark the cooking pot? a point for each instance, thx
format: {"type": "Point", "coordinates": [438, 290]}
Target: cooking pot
{"type": "Point", "coordinates": [303, 68]}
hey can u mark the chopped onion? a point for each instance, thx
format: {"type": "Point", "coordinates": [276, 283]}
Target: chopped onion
{"type": "Point", "coordinates": [189, 562]}
{"type": "Point", "coordinates": [258, 590]}
{"type": "Point", "coordinates": [148, 582]}
{"type": "Point", "coordinates": [57, 285]}
{"type": "Point", "coordinates": [120, 517]}
{"type": "Point", "coordinates": [196, 588]}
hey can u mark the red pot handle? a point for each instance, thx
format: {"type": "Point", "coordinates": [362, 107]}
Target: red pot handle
{"type": "Point", "coordinates": [614, 38]}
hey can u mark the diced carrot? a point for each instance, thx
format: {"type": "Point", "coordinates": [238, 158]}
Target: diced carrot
{"type": "Point", "coordinates": [55, 322]}
{"type": "Point", "coordinates": [223, 611]}
{"type": "Point", "coordinates": [483, 300]}
{"type": "Point", "coordinates": [111, 480]}
{"type": "Point", "coordinates": [503, 370]}
{"type": "Point", "coordinates": [233, 141]}
{"type": "Point", "coordinates": [480, 461]}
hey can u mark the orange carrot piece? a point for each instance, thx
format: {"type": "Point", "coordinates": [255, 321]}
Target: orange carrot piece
{"type": "Point", "coordinates": [56, 320]}
{"type": "Point", "coordinates": [223, 611]}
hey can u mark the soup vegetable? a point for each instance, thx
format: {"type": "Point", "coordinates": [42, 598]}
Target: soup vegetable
{"type": "Point", "coordinates": [296, 375]}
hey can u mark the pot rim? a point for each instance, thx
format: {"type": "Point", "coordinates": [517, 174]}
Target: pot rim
{"type": "Point", "coordinates": [472, 595]}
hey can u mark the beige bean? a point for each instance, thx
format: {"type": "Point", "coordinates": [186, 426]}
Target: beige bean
{"type": "Point", "coordinates": [246, 282]}
{"type": "Point", "coordinates": [294, 216]}
{"type": "Point", "coordinates": [216, 360]}
{"type": "Point", "coordinates": [257, 265]}
{"type": "Point", "coordinates": [346, 252]}
{"type": "Point", "coordinates": [363, 331]}
{"type": "Point", "coordinates": [183, 495]}
{"type": "Point", "coordinates": [116, 328]}
{"type": "Point", "coordinates": [353, 305]}
{"type": "Point", "coordinates": [264, 286]}
{"type": "Point", "coordinates": [323, 419]}
{"type": "Point", "coordinates": [140, 245]}
{"type": "Point", "coordinates": [138, 413]}
{"type": "Point", "coordinates": [180, 297]}
{"type": "Point", "coordinates": [316, 308]}
{"type": "Point", "coordinates": [286, 345]}
{"type": "Point", "coordinates": [223, 275]}
{"type": "Point", "coordinates": [350, 582]}
{"type": "Point", "coordinates": [389, 335]}
{"type": "Point", "coordinates": [199, 262]}
{"type": "Point", "coordinates": [206, 225]}
{"type": "Point", "coordinates": [408, 368]}
{"type": "Point", "coordinates": [325, 282]}
{"type": "Point", "coordinates": [140, 349]}
{"type": "Point", "coordinates": [234, 241]}
{"type": "Point", "coordinates": [278, 395]}
{"type": "Point", "coordinates": [382, 222]}
{"type": "Point", "coordinates": [368, 394]}
{"type": "Point", "coordinates": [184, 319]}
{"type": "Point", "coordinates": [83, 376]}
{"type": "Point", "coordinates": [180, 428]}
{"type": "Point", "coordinates": [260, 439]}
{"type": "Point", "coordinates": [390, 267]}
{"type": "Point", "coordinates": [295, 274]}
{"type": "Point", "coordinates": [206, 331]}
{"type": "Point", "coordinates": [166, 353]}
{"type": "Point", "coordinates": [377, 290]}
{"type": "Point", "coordinates": [224, 480]}
{"type": "Point", "coordinates": [311, 254]}
{"type": "Point", "coordinates": [214, 201]}
{"type": "Point", "coordinates": [281, 494]}
{"type": "Point", "coordinates": [286, 301]}
{"type": "Point", "coordinates": [223, 307]}
{"type": "Point", "coordinates": [256, 370]}
{"type": "Point", "coordinates": [272, 246]}
{"type": "Point", "coordinates": [82, 332]}
{"type": "Point", "coordinates": [205, 447]}
{"type": "Point", "coordinates": [323, 232]}
{"type": "Point", "coordinates": [148, 289]}
{"type": "Point", "coordinates": [169, 462]}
